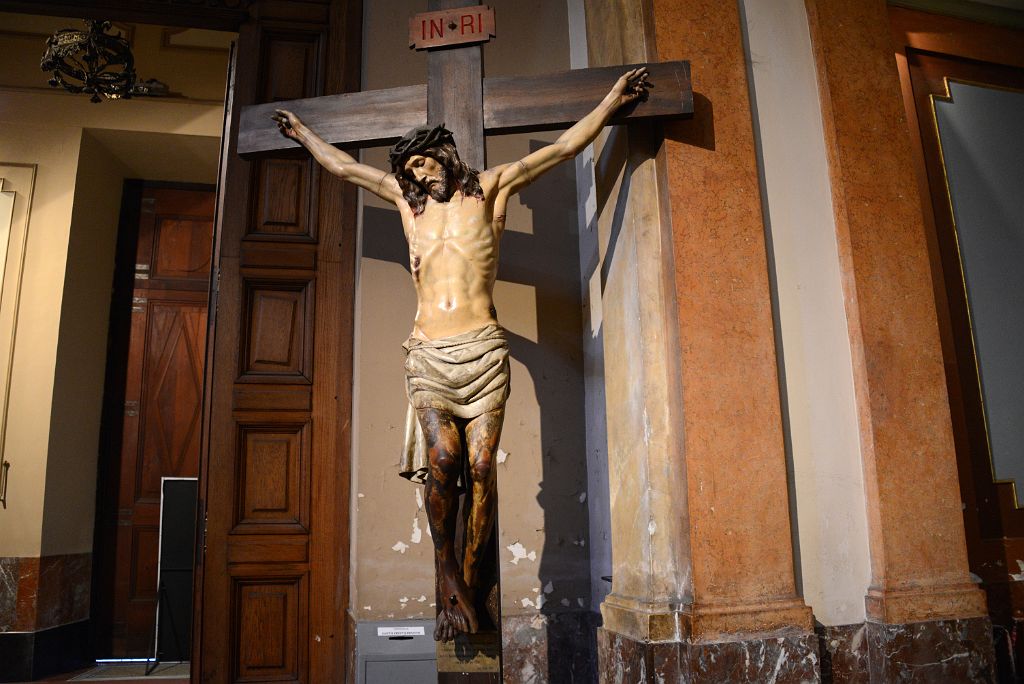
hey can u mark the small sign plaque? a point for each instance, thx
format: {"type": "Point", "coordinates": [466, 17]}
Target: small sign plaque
{"type": "Point", "coordinates": [451, 27]}
{"type": "Point", "coordinates": [400, 631]}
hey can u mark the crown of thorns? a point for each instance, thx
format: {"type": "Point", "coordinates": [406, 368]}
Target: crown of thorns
{"type": "Point", "coordinates": [417, 141]}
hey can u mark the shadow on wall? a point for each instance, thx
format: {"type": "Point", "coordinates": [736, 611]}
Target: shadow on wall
{"type": "Point", "coordinates": [548, 261]}
{"type": "Point", "coordinates": [698, 131]}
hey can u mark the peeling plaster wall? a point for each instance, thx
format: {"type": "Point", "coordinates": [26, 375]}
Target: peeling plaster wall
{"type": "Point", "coordinates": [821, 423]}
{"type": "Point", "coordinates": [543, 471]}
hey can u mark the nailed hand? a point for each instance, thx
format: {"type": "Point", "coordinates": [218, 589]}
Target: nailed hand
{"type": "Point", "coordinates": [632, 85]}
{"type": "Point", "coordinates": [287, 123]}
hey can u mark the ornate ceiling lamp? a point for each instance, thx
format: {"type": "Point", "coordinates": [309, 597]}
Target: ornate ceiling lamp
{"type": "Point", "coordinates": [91, 61]}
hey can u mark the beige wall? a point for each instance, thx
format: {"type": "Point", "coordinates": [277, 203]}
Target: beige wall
{"type": "Point", "coordinates": [591, 247]}
{"type": "Point", "coordinates": [55, 152]}
{"type": "Point", "coordinates": [82, 152]}
{"type": "Point", "coordinates": [824, 445]}
{"type": "Point", "coordinates": [81, 352]}
{"type": "Point", "coordinates": [542, 476]}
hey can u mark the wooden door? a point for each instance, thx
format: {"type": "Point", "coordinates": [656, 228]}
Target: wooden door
{"type": "Point", "coordinates": [274, 473]}
{"type": "Point", "coordinates": [163, 393]}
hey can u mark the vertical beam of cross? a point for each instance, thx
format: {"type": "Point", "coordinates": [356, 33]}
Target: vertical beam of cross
{"type": "Point", "coordinates": [455, 98]}
{"type": "Point", "coordinates": [455, 94]}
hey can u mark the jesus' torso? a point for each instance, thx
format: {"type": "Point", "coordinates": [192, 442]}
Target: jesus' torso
{"type": "Point", "coordinates": [453, 258]}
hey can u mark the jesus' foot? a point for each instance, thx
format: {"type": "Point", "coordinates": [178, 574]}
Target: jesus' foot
{"type": "Point", "coordinates": [457, 613]}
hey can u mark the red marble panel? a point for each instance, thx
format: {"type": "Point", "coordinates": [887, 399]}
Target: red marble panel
{"type": "Point", "coordinates": [8, 593]}
{"type": "Point", "coordinates": [28, 590]}
{"type": "Point", "coordinates": [39, 593]}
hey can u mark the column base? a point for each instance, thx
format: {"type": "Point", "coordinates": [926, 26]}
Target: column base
{"type": "Point", "coordinates": [790, 656]}
{"type": "Point", "coordinates": [931, 651]}
{"type": "Point", "coordinates": [899, 606]}
{"type": "Point", "coordinates": [701, 622]}
{"type": "Point", "coordinates": [679, 642]}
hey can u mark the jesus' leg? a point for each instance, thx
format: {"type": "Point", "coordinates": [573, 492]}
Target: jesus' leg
{"type": "Point", "coordinates": [482, 435]}
{"type": "Point", "coordinates": [444, 449]}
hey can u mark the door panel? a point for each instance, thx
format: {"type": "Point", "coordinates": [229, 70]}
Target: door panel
{"type": "Point", "coordinates": [181, 249]}
{"type": "Point", "coordinates": [170, 411]}
{"type": "Point", "coordinates": [162, 396]}
{"type": "Point", "coordinates": [276, 455]}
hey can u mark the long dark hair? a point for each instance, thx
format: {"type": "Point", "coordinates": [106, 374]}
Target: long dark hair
{"type": "Point", "coordinates": [460, 175]}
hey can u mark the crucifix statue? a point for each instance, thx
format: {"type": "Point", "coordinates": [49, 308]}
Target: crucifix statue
{"type": "Point", "coordinates": [457, 368]}
{"type": "Point", "coordinates": [453, 213]}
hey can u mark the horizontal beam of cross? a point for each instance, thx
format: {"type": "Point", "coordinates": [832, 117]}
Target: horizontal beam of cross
{"type": "Point", "coordinates": [511, 104]}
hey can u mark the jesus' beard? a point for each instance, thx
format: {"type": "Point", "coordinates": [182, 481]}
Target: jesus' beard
{"type": "Point", "coordinates": [439, 189]}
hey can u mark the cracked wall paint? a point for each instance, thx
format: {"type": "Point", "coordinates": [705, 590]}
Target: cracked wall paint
{"type": "Point", "coordinates": [519, 553]}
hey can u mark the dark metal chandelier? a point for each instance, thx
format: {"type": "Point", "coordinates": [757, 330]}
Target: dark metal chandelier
{"type": "Point", "coordinates": [92, 61]}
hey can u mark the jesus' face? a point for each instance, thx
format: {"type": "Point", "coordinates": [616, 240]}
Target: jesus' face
{"type": "Point", "coordinates": [429, 174]}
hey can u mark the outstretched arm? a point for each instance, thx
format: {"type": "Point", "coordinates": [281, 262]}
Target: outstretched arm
{"type": "Point", "coordinates": [631, 86]}
{"type": "Point", "coordinates": [339, 163]}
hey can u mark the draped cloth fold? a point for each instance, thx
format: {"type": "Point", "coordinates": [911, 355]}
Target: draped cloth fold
{"type": "Point", "coordinates": [465, 375]}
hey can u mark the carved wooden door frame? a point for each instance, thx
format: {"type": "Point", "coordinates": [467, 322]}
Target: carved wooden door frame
{"type": "Point", "coordinates": [275, 462]}
{"type": "Point", "coordinates": [125, 517]}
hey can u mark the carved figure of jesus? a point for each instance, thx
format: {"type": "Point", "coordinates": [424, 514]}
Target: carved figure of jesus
{"type": "Point", "coordinates": [457, 368]}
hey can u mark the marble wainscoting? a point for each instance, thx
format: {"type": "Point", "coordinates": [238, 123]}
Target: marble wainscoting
{"type": "Point", "coordinates": [44, 611]}
{"type": "Point", "coordinates": [553, 647]}
{"type": "Point", "coordinates": [785, 656]}
{"type": "Point", "coordinates": [39, 593]}
{"type": "Point", "coordinates": [9, 575]}
{"type": "Point", "coordinates": [844, 653]}
{"type": "Point", "coordinates": [863, 653]}
{"type": "Point", "coordinates": [933, 651]}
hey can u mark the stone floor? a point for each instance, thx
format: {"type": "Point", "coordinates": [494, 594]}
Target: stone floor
{"type": "Point", "coordinates": [126, 674]}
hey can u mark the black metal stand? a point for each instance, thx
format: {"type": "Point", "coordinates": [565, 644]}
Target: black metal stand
{"type": "Point", "coordinates": [162, 602]}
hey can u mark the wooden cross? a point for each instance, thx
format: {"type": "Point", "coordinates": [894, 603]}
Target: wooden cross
{"type": "Point", "coordinates": [471, 106]}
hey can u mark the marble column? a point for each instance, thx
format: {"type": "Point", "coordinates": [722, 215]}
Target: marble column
{"type": "Point", "coordinates": [703, 579]}
{"type": "Point", "coordinates": [925, 615]}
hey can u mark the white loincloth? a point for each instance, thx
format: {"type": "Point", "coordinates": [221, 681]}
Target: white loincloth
{"type": "Point", "coordinates": [466, 375]}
